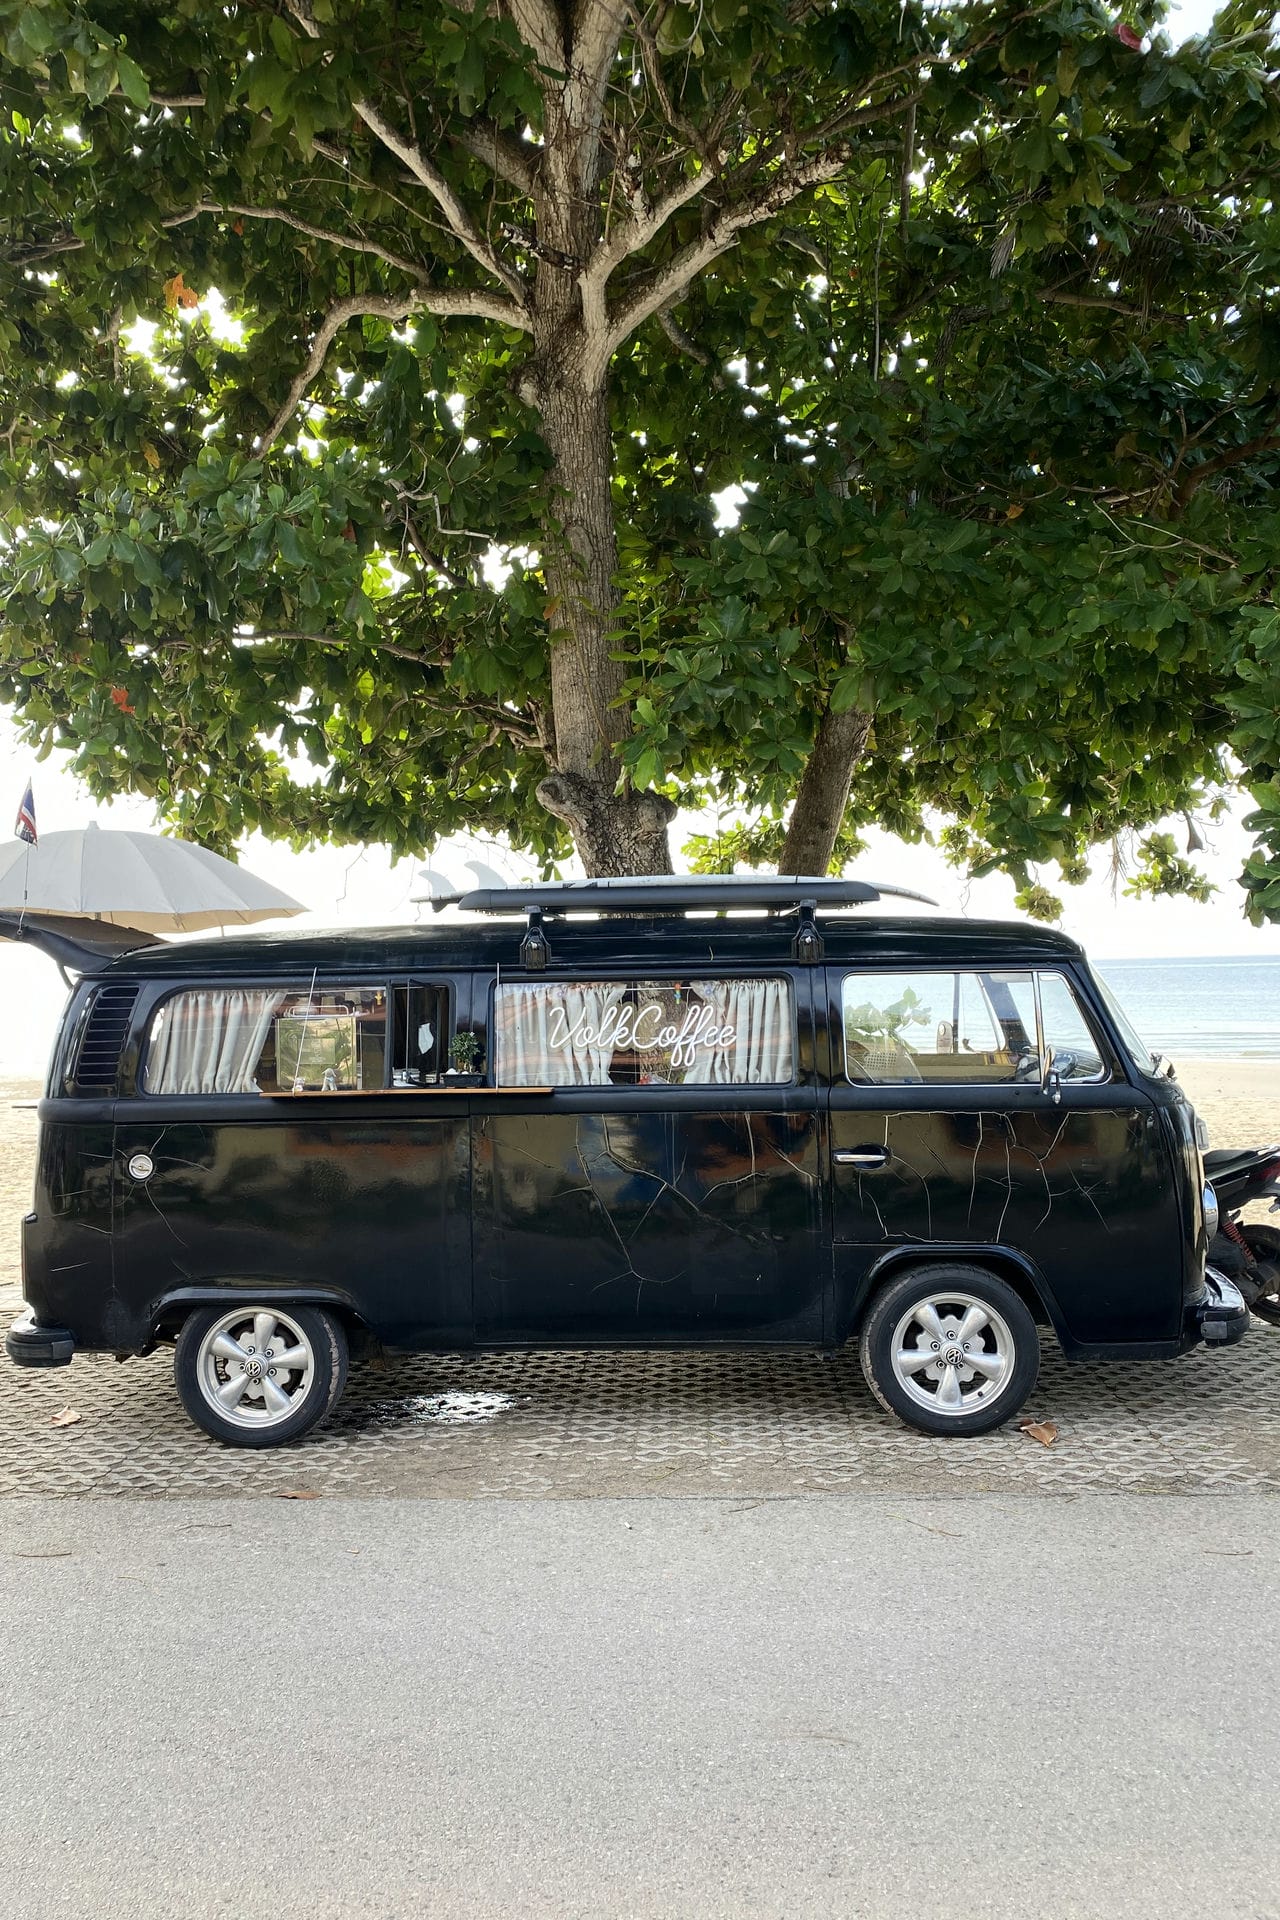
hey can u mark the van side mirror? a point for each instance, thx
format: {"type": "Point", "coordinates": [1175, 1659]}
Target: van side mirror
{"type": "Point", "coordinates": [1049, 1081]}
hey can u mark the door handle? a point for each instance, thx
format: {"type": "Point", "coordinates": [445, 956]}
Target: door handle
{"type": "Point", "coordinates": [866, 1157]}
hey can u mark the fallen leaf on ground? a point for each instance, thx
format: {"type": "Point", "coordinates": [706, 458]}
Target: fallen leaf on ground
{"type": "Point", "coordinates": [1042, 1430]}
{"type": "Point", "coordinates": [297, 1493]}
{"type": "Point", "coordinates": [67, 1418]}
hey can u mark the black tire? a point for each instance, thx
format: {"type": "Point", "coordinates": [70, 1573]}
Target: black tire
{"type": "Point", "coordinates": [1264, 1250]}
{"type": "Point", "coordinates": [314, 1394]}
{"type": "Point", "coordinates": [1011, 1334]}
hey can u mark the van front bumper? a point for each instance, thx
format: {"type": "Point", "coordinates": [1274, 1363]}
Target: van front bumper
{"type": "Point", "coordinates": [1221, 1316]}
{"type": "Point", "coordinates": [28, 1344]}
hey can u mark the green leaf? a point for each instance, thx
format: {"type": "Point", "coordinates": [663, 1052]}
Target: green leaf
{"type": "Point", "coordinates": [36, 28]}
{"type": "Point", "coordinates": [133, 81]}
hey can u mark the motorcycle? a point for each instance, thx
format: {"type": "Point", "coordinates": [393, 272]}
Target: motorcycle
{"type": "Point", "coordinates": [1245, 1250]}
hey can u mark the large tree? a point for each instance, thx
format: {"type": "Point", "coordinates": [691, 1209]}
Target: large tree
{"type": "Point", "coordinates": [976, 300]}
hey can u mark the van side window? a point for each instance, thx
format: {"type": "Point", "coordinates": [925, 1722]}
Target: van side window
{"type": "Point", "coordinates": [978, 1028]}
{"type": "Point", "coordinates": [264, 1040]}
{"type": "Point", "coordinates": [944, 1028]}
{"type": "Point", "coordinates": [1075, 1051]}
{"type": "Point", "coordinates": [638, 1033]}
{"type": "Point", "coordinates": [420, 1035]}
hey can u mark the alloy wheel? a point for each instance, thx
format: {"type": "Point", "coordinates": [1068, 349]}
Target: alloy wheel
{"type": "Point", "coordinates": [255, 1367]}
{"type": "Point", "coordinates": [952, 1353]}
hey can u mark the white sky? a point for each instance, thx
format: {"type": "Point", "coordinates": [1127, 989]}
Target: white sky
{"type": "Point", "coordinates": [346, 886]}
{"type": "Point", "coordinates": [1191, 18]}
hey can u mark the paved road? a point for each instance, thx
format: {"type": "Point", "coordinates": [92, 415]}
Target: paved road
{"type": "Point", "coordinates": [545, 1425]}
{"type": "Point", "coordinates": [854, 1705]}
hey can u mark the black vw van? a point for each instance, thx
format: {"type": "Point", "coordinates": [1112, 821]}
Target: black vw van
{"type": "Point", "coordinates": [676, 1112]}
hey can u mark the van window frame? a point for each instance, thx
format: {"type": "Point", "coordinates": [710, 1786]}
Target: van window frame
{"type": "Point", "coordinates": [586, 974]}
{"type": "Point", "coordinates": [1102, 1046]}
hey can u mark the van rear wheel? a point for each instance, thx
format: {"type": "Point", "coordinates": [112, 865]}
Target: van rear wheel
{"type": "Point", "coordinates": [257, 1376]}
{"type": "Point", "coordinates": [950, 1349]}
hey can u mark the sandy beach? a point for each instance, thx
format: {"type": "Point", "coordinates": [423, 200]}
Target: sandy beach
{"type": "Point", "coordinates": [1238, 1099]}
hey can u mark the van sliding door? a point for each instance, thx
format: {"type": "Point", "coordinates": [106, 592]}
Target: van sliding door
{"type": "Point", "coordinates": [646, 1161]}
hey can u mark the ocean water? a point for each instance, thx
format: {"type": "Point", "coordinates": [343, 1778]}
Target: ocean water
{"type": "Point", "coordinates": [1224, 1007]}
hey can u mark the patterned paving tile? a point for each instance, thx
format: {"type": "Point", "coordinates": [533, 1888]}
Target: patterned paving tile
{"type": "Point", "coordinates": [579, 1425]}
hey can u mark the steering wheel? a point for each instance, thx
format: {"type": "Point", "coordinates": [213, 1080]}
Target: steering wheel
{"type": "Point", "coordinates": [1027, 1066]}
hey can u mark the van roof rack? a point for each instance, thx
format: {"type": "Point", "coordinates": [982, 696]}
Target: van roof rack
{"type": "Point", "coordinates": [800, 894]}
{"type": "Point", "coordinates": [675, 893]}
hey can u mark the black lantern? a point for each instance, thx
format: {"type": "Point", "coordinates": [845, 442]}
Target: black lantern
{"type": "Point", "coordinates": [535, 948]}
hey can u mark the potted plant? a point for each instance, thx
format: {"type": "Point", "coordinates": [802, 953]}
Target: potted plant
{"type": "Point", "coordinates": [464, 1056]}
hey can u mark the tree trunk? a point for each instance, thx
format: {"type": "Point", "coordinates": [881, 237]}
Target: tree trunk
{"type": "Point", "coordinates": [616, 833]}
{"type": "Point", "coordinates": [824, 792]}
{"type": "Point", "coordinates": [616, 830]}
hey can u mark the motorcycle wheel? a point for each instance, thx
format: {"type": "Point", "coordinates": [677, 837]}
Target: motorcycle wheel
{"type": "Point", "coordinates": [1264, 1249]}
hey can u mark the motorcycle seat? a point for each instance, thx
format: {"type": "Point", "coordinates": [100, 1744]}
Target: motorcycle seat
{"type": "Point", "coordinates": [1231, 1159]}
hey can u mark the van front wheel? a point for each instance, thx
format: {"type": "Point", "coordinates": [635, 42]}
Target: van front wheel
{"type": "Point", "coordinates": [950, 1349]}
{"type": "Point", "coordinates": [256, 1376]}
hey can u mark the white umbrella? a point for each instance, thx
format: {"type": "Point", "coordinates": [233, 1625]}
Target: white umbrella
{"type": "Point", "coordinates": [138, 880]}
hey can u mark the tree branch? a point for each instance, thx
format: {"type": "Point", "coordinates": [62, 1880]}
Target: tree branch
{"type": "Point", "coordinates": [904, 175]}
{"type": "Point", "coordinates": [651, 60]}
{"type": "Point", "coordinates": [666, 282]}
{"type": "Point", "coordinates": [73, 243]}
{"type": "Point", "coordinates": [1063, 297]}
{"type": "Point", "coordinates": [153, 100]}
{"type": "Point", "coordinates": [431, 561]}
{"type": "Point", "coordinates": [1195, 478]}
{"type": "Point", "coordinates": [426, 173]}
{"type": "Point", "coordinates": [523, 731]}
{"type": "Point", "coordinates": [856, 117]}
{"type": "Point", "coordinates": [629, 237]}
{"type": "Point", "coordinates": [331, 640]}
{"type": "Point", "coordinates": [505, 157]}
{"type": "Point", "coordinates": [684, 342]}
{"type": "Point", "coordinates": [537, 23]}
{"type": "Point", "coordinates": [595, 28]}
{"type": "Point", "coordinates": [414, 268]}
{"type": "Point", "coordinates": [386, 306]}
{"type": "Point", "coordinates": [429, 175]}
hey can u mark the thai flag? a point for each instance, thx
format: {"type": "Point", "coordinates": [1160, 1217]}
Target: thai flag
{"type": "Point", "coordinates": [25, 827]}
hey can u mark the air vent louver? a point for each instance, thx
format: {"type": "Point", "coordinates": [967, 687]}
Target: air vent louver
{"type": "Point", "coordinates": [98, 1058]}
